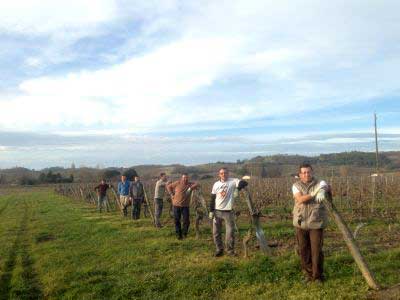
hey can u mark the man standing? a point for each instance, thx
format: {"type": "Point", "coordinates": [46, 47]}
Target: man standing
{"type": "Point", "coordinates": [136, 192]}
{"type": "Point", "coordinates": [310, 219]}
{"type": "Point", "coordinates": [221, 209]}
{"type": "Point", "coordinates": [181, 191]}
{"type": "Point", "coordinates": [123, 191]}
{"type": "Point", "coordinates": [158, 198]}
{"type": "Point", "coordinates": [102, 199]}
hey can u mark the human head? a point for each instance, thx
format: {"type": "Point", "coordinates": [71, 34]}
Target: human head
{"type": "Point", "coordinates": [305, 172]}
{"type": "Point", "coordinates": [137, 178]}
{"type": "Point", "coordinates": [103, 181]}
{"type": "Point", "coordinates": [163, 176]}
{"type": "Point", "coordinates": [123, 178]}
{"type": "Point", "coordinates": [185, 177]}
{"type": "Point", "coordinates": [223, 174]}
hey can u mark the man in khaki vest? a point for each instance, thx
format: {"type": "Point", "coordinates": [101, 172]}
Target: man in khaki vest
{"type": "Point", "coordinates": [310, 219]}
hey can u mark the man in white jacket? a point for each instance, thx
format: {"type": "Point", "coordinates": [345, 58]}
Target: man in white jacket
{"type": "Point", "coordinates": [221, 209]}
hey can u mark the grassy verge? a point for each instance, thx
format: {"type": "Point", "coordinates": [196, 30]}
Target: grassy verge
{"type": "Point", "coordinates": [55, 248]}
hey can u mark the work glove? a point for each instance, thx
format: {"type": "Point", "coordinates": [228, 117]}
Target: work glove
{"type": "Point", "coordinates": [315, 192]}
{"type": "Point", "coordinates": [211, 215]}
{"type": "Point", "coordinates": [320, 196]}
{"type": "Point", "coordinates": [242, 184]}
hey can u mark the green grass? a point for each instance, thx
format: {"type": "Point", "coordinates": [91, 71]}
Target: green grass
{"type": "Point", "coordinates": [53, 247]}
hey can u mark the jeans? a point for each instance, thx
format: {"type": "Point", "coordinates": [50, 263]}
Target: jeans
{"type": "Point", "coordinates": [102, 200]}
{"type": "Point", "coordinates": [229, 218]}
{"type": "Point", "coordinates": [137, 203]}
{"type": "Point", "coordinates": [184, 212]}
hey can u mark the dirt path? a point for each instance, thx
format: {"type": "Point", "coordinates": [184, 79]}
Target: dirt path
{"type": "Point", "coordinates": [20, 248]}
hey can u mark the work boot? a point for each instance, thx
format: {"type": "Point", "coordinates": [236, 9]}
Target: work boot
{"type": "Point", "coordinates": [231, 253]}
{"type": "Point", "coordinates": [219, 253]}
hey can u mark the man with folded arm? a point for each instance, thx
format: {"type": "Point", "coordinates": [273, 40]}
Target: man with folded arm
{"type": "Point", "coordinates": [310, 219]}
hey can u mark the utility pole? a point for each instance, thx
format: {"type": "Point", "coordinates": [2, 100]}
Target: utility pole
{"type": "Point", "coordinates": [376, 146]}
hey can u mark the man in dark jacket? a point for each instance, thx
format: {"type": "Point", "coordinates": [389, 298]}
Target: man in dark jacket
{"type": "Point", "coordinates": [101, 190]}
{"type": "Point", "coordinates": [136, 192]}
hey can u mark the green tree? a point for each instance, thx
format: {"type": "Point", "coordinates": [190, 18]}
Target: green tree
{"type": "Point", "coordinates": [130, 173]}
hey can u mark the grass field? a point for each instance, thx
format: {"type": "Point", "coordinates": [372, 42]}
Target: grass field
{"type": "Point", "coordinates": [53, 247]}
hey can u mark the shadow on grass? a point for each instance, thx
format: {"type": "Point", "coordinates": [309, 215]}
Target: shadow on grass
{"type": "Point", "coordinates": [31, 286]}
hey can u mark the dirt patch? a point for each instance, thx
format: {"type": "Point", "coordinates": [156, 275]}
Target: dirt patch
{"type": "Point", "coordinates": [392, 293]}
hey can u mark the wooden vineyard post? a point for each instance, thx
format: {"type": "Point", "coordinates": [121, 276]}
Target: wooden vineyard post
{"type": "Point", "coordinates": [246, 240]}
{"type": "Point", "coordinates": [351, 244]}
{"type": "Point", "coordinates": [255, 220]}
{"type": "Point", "coordinates": [116, 198]}
{"type": "Point", "coordinates": [199, 215]}
{"type": "Point", "coordinates": [149, 206]}
{"type": "Point", "coordinates": [203, 203]}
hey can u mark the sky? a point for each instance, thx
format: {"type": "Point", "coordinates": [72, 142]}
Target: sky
{"type": "Point", "coordinates": [121, 83]}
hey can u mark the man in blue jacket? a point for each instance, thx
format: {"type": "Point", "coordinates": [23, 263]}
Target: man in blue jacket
{"type": "Point", "coordinates": [123, 191]}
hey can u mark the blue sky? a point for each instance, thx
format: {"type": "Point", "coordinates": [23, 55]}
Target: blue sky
{"type": "Point", "coordinates": [119, 83]}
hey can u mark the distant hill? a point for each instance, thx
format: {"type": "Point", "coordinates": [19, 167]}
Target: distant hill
{"type": "Point", "coordinates": [344, 163]}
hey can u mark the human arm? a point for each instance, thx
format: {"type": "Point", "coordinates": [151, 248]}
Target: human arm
{"type": "Point", "coordinates": [212, 202]}
{"type": "Point", "coordinates": [212, 206]}
{"type": "Point", "coordinates": [131, 190]}
{"type": "Point", "coordinates": [170, 187]}
{"type": "Point", "coordinates": [303, 198]}
{"type": "Point", "coordinates": [300, 198]}
{"type": "Point", "coordinates": [194, 185]}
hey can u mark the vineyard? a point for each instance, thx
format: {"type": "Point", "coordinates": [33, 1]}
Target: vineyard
{"type": "Point", "coordinates": [57, 245]}
{"type": "Point", "coordinates": [360, 199]}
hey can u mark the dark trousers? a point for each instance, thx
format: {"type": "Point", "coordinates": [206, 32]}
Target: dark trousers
{"type": "Point", "coordinates": [310, 250]}
{"type": "Point", "coordinates": [137, 203]}
{"type": "Point", "coordinates": [184, 212]}
{"type": "Point", "coordinates": [158, 203]}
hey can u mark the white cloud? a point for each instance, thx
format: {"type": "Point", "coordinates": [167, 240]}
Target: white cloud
{"type": "Point", "coordinates": [48, 16]}
{"type": "Point", "coordinates": [302, 56]}
{"type": "Point", "coordinates": [136, 92]}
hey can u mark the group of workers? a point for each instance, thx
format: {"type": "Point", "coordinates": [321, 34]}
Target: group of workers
{"type": "Point", "coordinates": [309, 213]}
